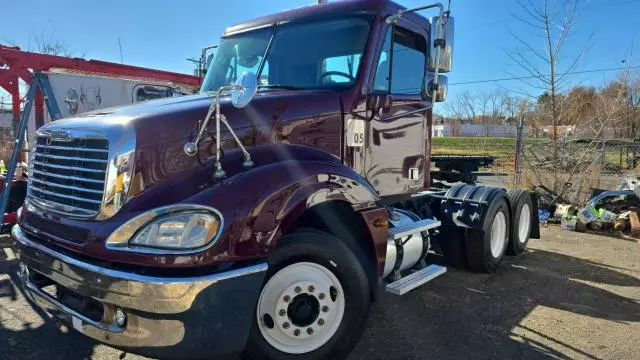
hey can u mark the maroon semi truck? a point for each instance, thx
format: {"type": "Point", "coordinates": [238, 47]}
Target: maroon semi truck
{"type": "Point", "coordinates": [263, 215]}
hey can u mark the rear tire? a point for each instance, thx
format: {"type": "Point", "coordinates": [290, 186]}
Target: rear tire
{"type": "Point", "coordinates": [326, 289]}
{"type": "Point", "coordinates": [522, 210]}
{"type": "Point", "coordinates": [485, 249]}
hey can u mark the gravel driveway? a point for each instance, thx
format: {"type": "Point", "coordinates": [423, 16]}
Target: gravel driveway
{"type": "Point", "coordinates": [572, 296]}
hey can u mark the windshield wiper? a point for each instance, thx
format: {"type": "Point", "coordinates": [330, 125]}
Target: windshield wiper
{"type": "Point", "coordinates": [278, 86]}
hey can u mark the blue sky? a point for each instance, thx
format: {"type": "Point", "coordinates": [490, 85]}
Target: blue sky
{"type": "Point", "coordinates": [163, 33]}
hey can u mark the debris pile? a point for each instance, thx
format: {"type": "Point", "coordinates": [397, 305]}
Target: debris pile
{"type": "Point", "coordinates": [610, 211]}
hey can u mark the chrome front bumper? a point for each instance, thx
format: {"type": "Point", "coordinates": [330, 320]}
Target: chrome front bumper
{"type": "Point", "coordinates": [210, 313]}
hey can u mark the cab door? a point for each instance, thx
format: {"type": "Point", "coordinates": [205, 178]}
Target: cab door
{"type": "Point", "coordinates": [396, 131]}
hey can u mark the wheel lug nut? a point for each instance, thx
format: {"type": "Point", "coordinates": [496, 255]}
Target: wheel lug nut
{"type": "Point", "coordinates": [321, 322]}
{"type": "Point", "coordinates": [285, 325]}
{"type": "Point", "coordinates": [296, 332]}
{"type": "Point", "coordinates": [286, 298]}
{"type": "Point", "coordinates": [325, 308]}
{"type": "Point", "coordinates": [312, 288]}
{"type": "Point", "coordinates": [321, 296]}
{"type": "Point", "coordinates": [298, 290]}
{"type": "Point", "coordinates": [282, 312]}
{"type": "Point", "coordinates": [310, 331]}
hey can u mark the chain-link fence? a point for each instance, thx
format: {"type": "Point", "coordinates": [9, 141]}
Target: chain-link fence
{"type": "Point", "coordinates": [574, 168]}
{"type": "Point", "coordinates": [570, 168]}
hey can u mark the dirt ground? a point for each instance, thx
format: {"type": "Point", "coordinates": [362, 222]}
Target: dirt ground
{"type": "Point", "coordinates": [571, 296]}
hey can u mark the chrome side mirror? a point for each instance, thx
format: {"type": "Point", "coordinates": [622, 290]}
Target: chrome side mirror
{"type": "Point", "coordinates": [433, 92]}
{"type": "Point", "coordinates": [247, 83]}
{"type": "Point", "coordinates": [446, 52]}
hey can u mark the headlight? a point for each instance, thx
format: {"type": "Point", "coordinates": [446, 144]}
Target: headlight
{"type": "Point", "coordinates": [182, 231]}
{"type": "Point", "coordinates": [172, 229]}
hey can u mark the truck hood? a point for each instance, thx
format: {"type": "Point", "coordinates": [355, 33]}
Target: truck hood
{"type": "Point", "coordinates": [162, 127]}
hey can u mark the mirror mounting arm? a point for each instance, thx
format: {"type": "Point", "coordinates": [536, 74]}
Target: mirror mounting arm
{"type": "Point", "coordinates": [191, 148]}
{"type": "Point", "coordinates": [439, 41]}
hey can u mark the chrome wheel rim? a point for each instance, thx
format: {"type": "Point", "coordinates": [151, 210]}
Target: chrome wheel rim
{"type": "Point", "coordinates": [300, 308]}
{"type": "Point", "coordinates": [498, 234]}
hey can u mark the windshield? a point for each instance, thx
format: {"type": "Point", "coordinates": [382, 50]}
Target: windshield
{"type": "Point", "coordinates": [312, 55]}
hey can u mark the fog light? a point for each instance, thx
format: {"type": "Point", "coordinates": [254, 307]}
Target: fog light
{"type": "Point", "coordinates": [121, 318]}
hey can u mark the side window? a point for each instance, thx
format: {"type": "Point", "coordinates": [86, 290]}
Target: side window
{"type": "Point", "coordinates": [407, 62]}
{"type": "Point", "coordinates": [346, 64]}
{"type": "Point", "coordinates": [149, 92]}
{"type": "Point", "coordinates": [381, 81]}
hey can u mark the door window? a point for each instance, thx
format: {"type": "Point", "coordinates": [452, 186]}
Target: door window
{"type": "Point", "coordinates": [402, 63]}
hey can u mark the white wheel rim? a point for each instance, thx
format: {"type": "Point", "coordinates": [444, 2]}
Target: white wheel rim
{"type": "Point", "coordinates": [307, 284]}
{"type": "Point", "coordinates": [498, 234]}
{"type": "Point", "coordinates": [525, 223]}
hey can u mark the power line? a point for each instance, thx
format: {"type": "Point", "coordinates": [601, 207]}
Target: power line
{"type": "Point", "coordinates": [505, 21]}
{"type": "Point", "coordinates": [536, 77]}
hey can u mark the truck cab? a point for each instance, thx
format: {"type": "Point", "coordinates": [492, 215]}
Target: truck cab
{"type": "Point", "coordinates": [264, 214]}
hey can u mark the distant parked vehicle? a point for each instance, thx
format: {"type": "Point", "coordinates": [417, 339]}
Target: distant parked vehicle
{"type": "Point", "coordinates": [78, 93]}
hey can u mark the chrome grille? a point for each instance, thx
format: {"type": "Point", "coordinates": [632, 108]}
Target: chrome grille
{"type": "Point", "coordinates": [68, 174]}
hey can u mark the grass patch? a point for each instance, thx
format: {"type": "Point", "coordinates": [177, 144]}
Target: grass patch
{"type": "Point", "coordinates": [490, 146]}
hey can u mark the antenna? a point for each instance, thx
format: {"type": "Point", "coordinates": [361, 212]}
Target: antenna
{"type": "Point", "coordinates": [120, 46]}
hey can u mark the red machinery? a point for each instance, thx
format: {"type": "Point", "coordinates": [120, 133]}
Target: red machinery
{"type": "Point", "coordinates": [16, 64]}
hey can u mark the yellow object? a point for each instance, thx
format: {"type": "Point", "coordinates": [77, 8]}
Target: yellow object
{"type": "Point", "coordinates": [120, 183]}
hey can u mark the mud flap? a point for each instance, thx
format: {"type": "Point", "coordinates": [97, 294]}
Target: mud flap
{"type": "Point", "coordinates": [535, 219]}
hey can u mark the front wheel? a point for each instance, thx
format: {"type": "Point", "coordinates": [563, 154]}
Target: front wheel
{"type": "Point", "coordinates": [314, 303]}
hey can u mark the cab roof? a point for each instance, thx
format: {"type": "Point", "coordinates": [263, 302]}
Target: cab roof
{"type": "Point", "coordinates": [383, 8]}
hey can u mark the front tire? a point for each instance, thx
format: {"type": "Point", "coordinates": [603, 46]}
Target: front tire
{"type": "Point", "coordinates": [314, 303]}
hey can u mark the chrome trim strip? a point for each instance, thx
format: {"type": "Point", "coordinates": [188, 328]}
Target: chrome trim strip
{"type": "Point", "coordinates": [407, 113]}
{"type": "Point", "coordinates": [70, 148]}
{"type": "Point", "coordinates": [62, 196]}
{"type": "Point", "coordinates": [75, 178]}
{"type": "Point", "coordinates": [119, 239]}
{"type": "Point", "coordinates": [75, 168]}
{"type": "Point", "coordinates": [76, 158]}
{"type": "Point", "coordinates": [49, 299]}
{"type": "Point", "coordinates": [37, 202]}
{"type": "Point", "coordinates": [20, 236]}
{"type": "Point", "coordinates": [75, 188]}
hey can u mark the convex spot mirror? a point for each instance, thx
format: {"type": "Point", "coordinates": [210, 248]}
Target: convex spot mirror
{"type": "Point", "coordinates": [247, 83]}
{"type": "Point", "coordinates": [436, 95]}
{"type": "Point", "coordinates": [446, 54]}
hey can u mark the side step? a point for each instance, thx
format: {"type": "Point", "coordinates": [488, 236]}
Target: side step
{"type": "Point", "coordinates": [416, 279]}
{"type": "Point", "coordinates": [412, 228]}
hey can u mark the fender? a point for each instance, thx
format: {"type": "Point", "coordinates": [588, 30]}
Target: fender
{"type": "Point", "coordinates": [259, 205]}
{"type": "Point", "coordinates": [287, 189]}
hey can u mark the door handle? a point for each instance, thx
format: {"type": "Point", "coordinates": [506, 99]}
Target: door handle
{"type": "Point", "coordinates": [385, 105]}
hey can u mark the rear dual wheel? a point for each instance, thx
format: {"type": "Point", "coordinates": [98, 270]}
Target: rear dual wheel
{"type": "Point", "coordinates": [314, 302]}
{"type": "Point", "coordinates": [522, 209]}
{"type": "Point", "coordinates": [485, 249]}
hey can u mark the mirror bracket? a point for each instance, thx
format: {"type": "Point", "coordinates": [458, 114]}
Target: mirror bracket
{"type": "Point", "coordinates": [242, 91]}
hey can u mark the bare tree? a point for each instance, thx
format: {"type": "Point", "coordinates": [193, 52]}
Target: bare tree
{"type": "Point", "coordinates": [545, 62]}
{"type": "Point", "coordinates": [630, 88]}
{"type": "Point", "coordinates": [47, 43]}
{"type": "Point", "coordinates": [463, 107]}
